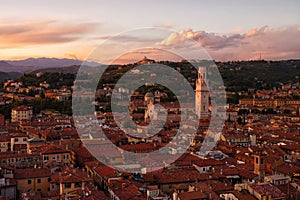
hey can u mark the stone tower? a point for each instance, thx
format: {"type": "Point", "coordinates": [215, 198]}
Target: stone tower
{"type": "Point", "coordinates": [259, 165]}
{"type": "Point", "coordinates": [149, 100]}
{"type": "Point", "coordinates": [202, 94]}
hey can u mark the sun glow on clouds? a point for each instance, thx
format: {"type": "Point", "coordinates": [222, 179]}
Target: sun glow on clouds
{"type": "Point", "coordinates": [48, 38]}
{"type": "Point", "coordinates": [272, 43]}
{"type": "Point", "coordinates": [51, 38]}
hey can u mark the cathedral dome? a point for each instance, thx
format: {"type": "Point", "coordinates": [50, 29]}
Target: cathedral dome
{"type": "Point", "coordinates": [149, 94]}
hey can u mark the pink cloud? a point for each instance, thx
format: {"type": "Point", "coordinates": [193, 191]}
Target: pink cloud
{"type": "Point", "coordinates": [41, 32]}
{"type": "Point", "coordinates": [272, 43]}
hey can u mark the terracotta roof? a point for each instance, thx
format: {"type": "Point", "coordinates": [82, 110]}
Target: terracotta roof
{"type": "Point", "coordinates": [70, 175]}
{"type": "Point", "coordinates": [267, 189]}
{"type": "Point", "coordinates": [105, 171]}
{"type": "Point", "coordinates": [206, 188]}
{"type": "Point", "coordinates": [82, 152]}
{"type": "Point", "coordinates": [52, 149]}
{"type": "Point", "coordinates": [96, 194]}
{"type": "Point", "coordinates": [126, 190]}
{"type": "Point", "coordinates": [243, 195]}
{"type": "Point", "coordinates": [291, 147]}
{"type": "Point", "coordinates": [50, 194]}
{"type": "Point", "coordinates": [4, 138]}
{"type": "Point", "coordinates": [287, 169]}
{"type": "Point", "coordinates": [22, 108]}
{"type": "Point", "coordinates": [246, 174]}
{"type": "Point", "coordinates": [4, 155]}
{"type": "Point", "coordinates": [184, 175]}
{"type": "Point", "coordinates": [208, 162]}
{"type": "Point", "coordinates": [194, 195]}
{"type": "Point", "coordinates": [32, 173]}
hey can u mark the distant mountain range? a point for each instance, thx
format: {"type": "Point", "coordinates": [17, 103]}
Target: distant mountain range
{"type": "Point", "coordinates": [66, 70]}
{"type": "Point", "coordinates": [35, 64]}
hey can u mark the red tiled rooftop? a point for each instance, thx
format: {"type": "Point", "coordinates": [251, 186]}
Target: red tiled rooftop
{"type": "Point", "coordinates": [52, 149]}
{"type": "Point", "coordinates": [175, 176]}
{"type": "Point", "coordinates": [70, 175]}
{"type": "Point", "coordinates": [105, 171]}
{"type": "Point", "coordinates": [267, 189]}
{"type": "Point", "coordinates": [126, 190]}
{"type": "Point", "coordinates": [4, 138]}
{"type": "Point", "coordinates": [22, 108]}
{"type": "Point", "coordinates": [32, 173]}
{"type": "Point", "coordinates": [194, 195]}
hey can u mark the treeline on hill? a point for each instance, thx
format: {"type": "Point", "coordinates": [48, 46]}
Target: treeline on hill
{"type": "Point", "coordinates": [240, 76]}
{"type": "Point", "coordinates": [9, 75]}
{"type": "Point", "coordinates": [56, 80]}
{"type": "Point", "coordinates": [237, 76]}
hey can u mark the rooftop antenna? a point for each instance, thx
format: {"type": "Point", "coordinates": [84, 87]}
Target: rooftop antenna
{"type": "Point", "coordinates": [259, 55]}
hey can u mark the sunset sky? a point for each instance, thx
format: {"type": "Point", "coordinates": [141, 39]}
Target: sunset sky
{"type": "Point", "coordinates": [228, 30]}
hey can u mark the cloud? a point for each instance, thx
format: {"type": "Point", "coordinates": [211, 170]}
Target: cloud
{"type": "Point", "coordinates": [272, 43]}
{"type": "Point", "coordinates": [127, 38]}
{"type": "Point", "coordinates": [71, 56]}
{"type": "Point", "coordinates": [210, 40]}
{"type": "Point", "coordinates": [41, 32]}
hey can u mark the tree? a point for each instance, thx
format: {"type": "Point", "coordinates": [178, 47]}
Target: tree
{"type": "Point", "coordinates": [240, 120]}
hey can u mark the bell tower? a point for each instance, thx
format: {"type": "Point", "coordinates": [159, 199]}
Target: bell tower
{"type": "Point", "coordinates": [259, 165]}
{"type": "Point", "coordinates": [202, 94]}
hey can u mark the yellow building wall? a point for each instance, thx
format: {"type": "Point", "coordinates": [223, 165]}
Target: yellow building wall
{"type": "Point", "coordinates": [64, 190]}
{"type": "Point", "coordinates": [43, 186]}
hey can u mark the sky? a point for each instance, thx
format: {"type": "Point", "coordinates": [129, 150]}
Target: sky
{"type": "Point", "coordinates": [227, 30]}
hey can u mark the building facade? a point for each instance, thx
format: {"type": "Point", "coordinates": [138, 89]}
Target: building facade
{"type": "Point", "coordinates": [21, 113]}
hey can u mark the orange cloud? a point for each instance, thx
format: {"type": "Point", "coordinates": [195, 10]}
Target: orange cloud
{"type": "Point", "coordinates": [23, 34]}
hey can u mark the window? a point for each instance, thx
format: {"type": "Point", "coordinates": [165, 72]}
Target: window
{"type": "Point", "coordinates": [24, 139]}
{"type": "Point", "coordinates": [16, 139]}
{"type": "Point", "coordinates": [46, 158]}
{"type": "Point", "coordinates": [78, 185]}
{"type": "Point", "coordinates": [38, 180]}
{"type": "Point", "coordinates": [256, 160]}
{"type": "Point", "coordinates": [29, 182]}
{"type": "Point", "coordinates": [67, 185]}
{"type": "Point", "coordinates": [39, 190]}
